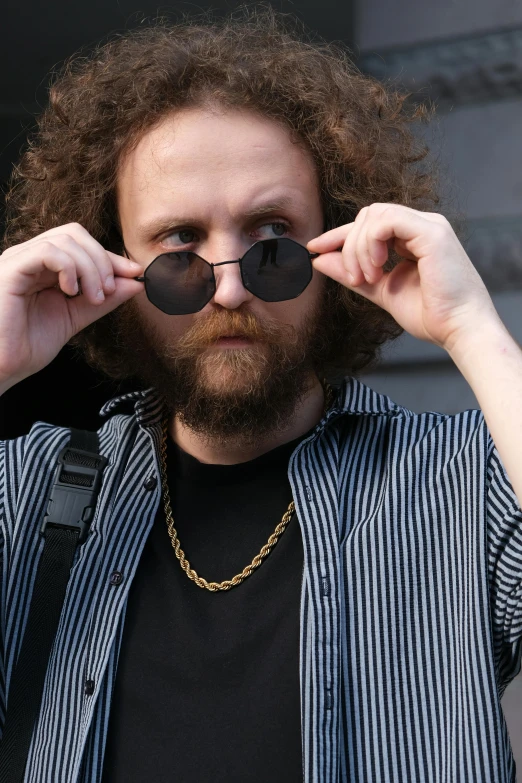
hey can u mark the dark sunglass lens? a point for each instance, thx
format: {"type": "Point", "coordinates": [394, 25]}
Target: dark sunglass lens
{"type": "Point", "coordinates": [276, 269]}
{"type": "Point", "coordinates": [179, 283]}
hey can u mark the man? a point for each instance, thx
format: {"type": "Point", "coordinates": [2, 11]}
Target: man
{"type": "Point", "coordinates": [208, 631]}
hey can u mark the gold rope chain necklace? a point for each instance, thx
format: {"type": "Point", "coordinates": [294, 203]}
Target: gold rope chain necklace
{"type": "Point", "coordinates": [214, 587]}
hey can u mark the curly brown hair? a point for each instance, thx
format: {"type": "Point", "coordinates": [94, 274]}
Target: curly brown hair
{"type": "Point", "coordinates": [357, 130]}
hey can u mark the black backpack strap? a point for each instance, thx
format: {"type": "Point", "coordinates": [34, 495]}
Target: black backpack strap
{"type": "Point", "coordinates": [69, 512]}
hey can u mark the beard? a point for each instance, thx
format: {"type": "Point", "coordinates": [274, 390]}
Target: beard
{"type": "Point", "coordinates": [238, 395]}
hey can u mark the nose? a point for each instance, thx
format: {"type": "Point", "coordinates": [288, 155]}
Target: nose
{"type": "Point", "coordinates": [230, 291]}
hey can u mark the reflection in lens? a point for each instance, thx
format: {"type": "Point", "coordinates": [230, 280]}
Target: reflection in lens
{"type": "Point", "coordinates": [269, 249]}
{"type": "Point", "coordinates": [276, 269]}
{"type": "Point", "coordinates": [179, 283]}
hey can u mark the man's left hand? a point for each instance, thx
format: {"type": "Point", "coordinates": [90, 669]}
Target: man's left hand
{"type": "Point", "coordinates": [435, 293]}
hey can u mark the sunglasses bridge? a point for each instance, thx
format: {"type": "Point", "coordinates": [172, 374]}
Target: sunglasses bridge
{"type": "Point", "coordinates": [238, 260]}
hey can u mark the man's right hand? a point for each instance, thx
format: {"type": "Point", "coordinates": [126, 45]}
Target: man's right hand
{"type": "Point", "coordinates": [36, 319]}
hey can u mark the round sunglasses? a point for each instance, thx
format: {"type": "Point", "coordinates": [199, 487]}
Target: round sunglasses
{"type": "Point", "coordinates": [274, 270]}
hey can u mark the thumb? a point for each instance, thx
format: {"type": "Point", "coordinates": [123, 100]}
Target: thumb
{"type": "Point", "coordinates": [333, 239]}
{"type": "Point", "coordinates": [331, 265]}
{"type": "Point", "coordinates": [83, 313]}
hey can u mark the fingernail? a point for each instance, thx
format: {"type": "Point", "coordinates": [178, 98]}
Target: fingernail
{"type": "Point", "coordinates": [100, 295]}
{"type": "Point", "coordinates": [134, 263]}
{"type": "Point", "coordinates": [109, 283]}
{"type": "Point", "coordinates": [351, 278]}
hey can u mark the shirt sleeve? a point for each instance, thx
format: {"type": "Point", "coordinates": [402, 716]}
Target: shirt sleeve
{"type": "Point", "coordinates": [504, 531]}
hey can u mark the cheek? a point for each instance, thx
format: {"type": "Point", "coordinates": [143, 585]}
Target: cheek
{"type": "Point", "coordinates": [294, 311]}
{"type": "Point", "coordinates": [163, 324]}
{"type": "Point", "coordinates": [312, 294]}
{"type": "Point", "coordinates": [316, 287]}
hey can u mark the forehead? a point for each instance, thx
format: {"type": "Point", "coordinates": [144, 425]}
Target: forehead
{"type": "Point", "coordinates": [212, 158]}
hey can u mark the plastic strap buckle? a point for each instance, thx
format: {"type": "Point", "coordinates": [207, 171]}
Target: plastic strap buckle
{"type": "Point", "coordinates": [74, 492]}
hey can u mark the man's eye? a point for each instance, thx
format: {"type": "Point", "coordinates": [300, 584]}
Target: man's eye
{"type": "Point", "coordinates": [270, 230]}
{"type": "Point", "coordinates": [184, 236]}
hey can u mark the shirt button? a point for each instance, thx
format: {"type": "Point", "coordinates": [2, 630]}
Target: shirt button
{"type": "Point", "coordinates": [328, 699]}
{"type": "Point", "coordinates": [150, 483]}
{"type": "Point", "coordinates": [116, 578]}
{"type": "Point", "coordinates": [89, 687]}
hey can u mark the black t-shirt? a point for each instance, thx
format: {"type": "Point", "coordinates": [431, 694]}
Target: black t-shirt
{"type": "Point", "coordinates": [207, 687]}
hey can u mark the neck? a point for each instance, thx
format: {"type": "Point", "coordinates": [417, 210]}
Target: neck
{"type": "Point", "coordinates": [306, 415]}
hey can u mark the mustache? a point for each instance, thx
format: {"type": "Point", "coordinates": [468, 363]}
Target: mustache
{"type": "Point", "coordinates": [206, 330]}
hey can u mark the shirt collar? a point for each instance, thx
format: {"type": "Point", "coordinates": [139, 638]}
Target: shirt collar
{"type": "Point", "coordinates": [351, 396]}
{"type": "Point", "coordinates": [357, 398]}
{"type": "Point", "coordinates": [147, 406]}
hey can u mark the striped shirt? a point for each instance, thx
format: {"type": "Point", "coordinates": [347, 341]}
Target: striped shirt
{"type": "Point", "coordinates": [411, 604]}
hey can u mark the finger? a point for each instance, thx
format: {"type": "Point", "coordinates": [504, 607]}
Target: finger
{"type": "Point", "coordinates": [355, 251]}
{"type": "Point", "coordinates": [380, 234]}
{"type": "Point", "coordinates": [355, 275]}
{"type": "Point", "coordinates": [335, 266]}
{"type": "Point", "coordinates": [82, 313]}
{"type": "Point", "coordinates": [377, 250]}
{"type": "Point", "coordinates": [371, 272]}
{"type": "Point", "coordinates": [41, 267]}
{"type": "Point", "coordinates": [330, 240]}
{"type": "Point", "coordinates": [110, 264]}
{"type": "Point", "coordinates": [99, 256]}
{"type": "Point", "coordinates": [124, 267]}
{"type": "Point", "coordinates": [68, 260]}
{"type": "Point", "coordinates": [396, 222]}
{"type": "Point", "coordinates": [399, 246]}
{"type": "Point", "coordinates": [64, 266]}
{"type": "Point", "coordinates": [434, 217]}
{"type": "Point", "coordinates": [87, 270]}
{"type": "Point", "coordinates": [121, 268]}
{"type": "Point", "coordinates": [332, 265]}
{"type": "Point", "coordinates": [333, 239]}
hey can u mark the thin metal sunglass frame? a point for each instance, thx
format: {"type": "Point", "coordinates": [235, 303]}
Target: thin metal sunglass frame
{"type": "Point", "coordinates": [141, 279]}
{"type": "Point", "coordinates": [311, 256]}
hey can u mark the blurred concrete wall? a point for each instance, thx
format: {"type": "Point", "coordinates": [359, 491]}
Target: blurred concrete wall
{"type": "Point", "coordinates": [466, 55]}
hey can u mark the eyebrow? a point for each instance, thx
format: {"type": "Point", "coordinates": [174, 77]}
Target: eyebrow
{"type": "Point", "coordinates": [160, 224]}
{"type": "Point", "coordinates": [271, 206]}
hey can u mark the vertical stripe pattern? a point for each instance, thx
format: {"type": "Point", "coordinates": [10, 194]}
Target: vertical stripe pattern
{"type": "Point", "coordinates": [411, 603]}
